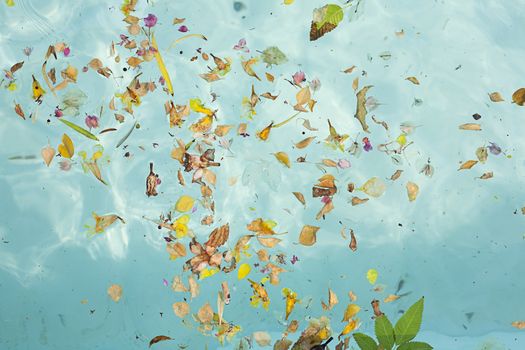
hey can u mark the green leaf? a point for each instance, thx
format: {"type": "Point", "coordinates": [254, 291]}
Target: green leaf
{"type": "Point", "coordinates": [408, 325]}
{"type": "Point", "coordinates": [332, 14]}
{"type": "Point", "coordinates": [415, 345]}
{"type": "Point", "coordinates": [273, 55]}
{"type": "Point", "coordinates": [384, 332]}
{"type": "Point", "coordinates": [79, 129]}
{"type": "Point", "coordinates": [365, 342]}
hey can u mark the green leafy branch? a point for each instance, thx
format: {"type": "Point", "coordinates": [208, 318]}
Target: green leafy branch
{"type": "Point", "coordinates": [399, 337]}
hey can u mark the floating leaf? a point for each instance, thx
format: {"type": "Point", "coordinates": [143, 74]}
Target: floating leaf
{"type": "Point", "coordinates": [268, 242]}
{"type": "Point", "coordinates": [205, 313]}
{"type": "Point", "coordinates": [184, 204]}
{"type": "Point", "coordinates": [79, 129]}
{"type": "Point", "coordinates": [412, 191]}
{"type": "Point", "coordinates": [115, 292]}
{"type": "Point", "coordinates": [350, 311]}
{"type": "Point", "coordinates": [273, 55]}
{"type": "Point", "coordinates": [518, 324]}
{"type": "Point", "coordinates": [158, 338]}
{"type": "Point", "coordinates": [243, 271]}
{"type": "Point", "coordinates": [361, 112]}
{"type": "Point", "coordinates": [487, 175]}
{"type": "Point", "coordinates": [396, 175]}
{"type": "Point", "coordinates": [482, 154]}
{"type": "Point", "coordinates": [19, 111]}
{"type": "Point", "coordinates": [518, 97]}
{"type": "Point", "coordinates": [496, 97]}
{"type": "Point", "coordinates": [332, 300]}
{"type": "Point", "coordinates": [269, 77]}
{"type": "Point", "coordinates": [283, 158]}
{"type": "Point", "coordinates": [247, 66]}
{"type": "Point", "coordinates": [325, 19]}
{"type": "Point", "coordinates": [374, 187]}
{"type": "Point", "coordinates": [299, 197]}
{"type": "Point", "coordinates": [408, 325]}
{"type": "Point", "coordinates": [468, 164]}
{"type": "Point", "coordinates": [391, 298]}
{"type": "Point", "coordinates": [47, 153]}
{"type": "Point", "coordinates": [470, 126]}
{"type": "Point", "coordinates": [66, 148]}
{"type": "Point", "coordinates": [413, 80]}
{"type": "Point", "coordinates": [308, 236]}
{"type": "Point", "coordinates": [262, 338]}
{"type": "Point", "coordinates": [371, 276]}
{"type": "Point", "coordinates": [357, 201]}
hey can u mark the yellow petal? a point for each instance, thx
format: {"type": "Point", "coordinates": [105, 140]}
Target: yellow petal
{"type": "Point", "coordinates": [243, 271]}
{"type": "Point", "coordinates": [283, 158]}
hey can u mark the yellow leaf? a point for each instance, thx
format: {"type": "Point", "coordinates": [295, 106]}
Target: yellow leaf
{"type": "Point", "coordinates": [283, 158]}
{"type": "Point", "coordinates": [374, 187]}
{"type": "Point", "coordinates": [351, 311]}
{"type": "Point", "coordinates": [288, 2]}
{"type": "Point", "coordinates": [304, 143]}
{"type": "Point", "coordinates": [412, 191]}
{"type": "Point", "coordinates": [303, 96]}
{"type": "Point", "coordinates": [115, 292]}
{"type": "Point", "coordinates": [184, 204]}
{"type": "Point", "coordinates": [308, 236]}
{"type": "Point", "coordinates": [468, 164]}
{"type": "Point", "coordinates": [265, 133]}
{"type": "Point", "coordinates": [352, 325]}
{"type": "Point", "coordinates": [496, 97]}
{"type": "Point", "coordinates": [243, 271]}
{"type": "Point", "coordinates": [371, 276]}
{"type": "Point", "coordinates": [391, 298]}
{"type": "Point", "coordinates": [269, 77]}
{"type": "Point", "coordinates": [66, 148]}
{"type": "Point", "coordinates": [413, 80]}
{"type": "Point", "coordinates": [518, 97]}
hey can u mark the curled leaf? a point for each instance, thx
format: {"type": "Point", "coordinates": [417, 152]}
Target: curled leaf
{"type": "Point", "coordinates": [413, 80]}
{"type": "Point", "coordinates": [158, 338]}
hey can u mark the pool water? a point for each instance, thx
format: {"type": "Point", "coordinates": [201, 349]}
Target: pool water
{"type": "Point", "coordinates": [431, 183]}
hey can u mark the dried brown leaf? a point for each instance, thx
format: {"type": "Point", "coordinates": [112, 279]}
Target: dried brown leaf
{"type": "Point", "coordinates": [308, 235]}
